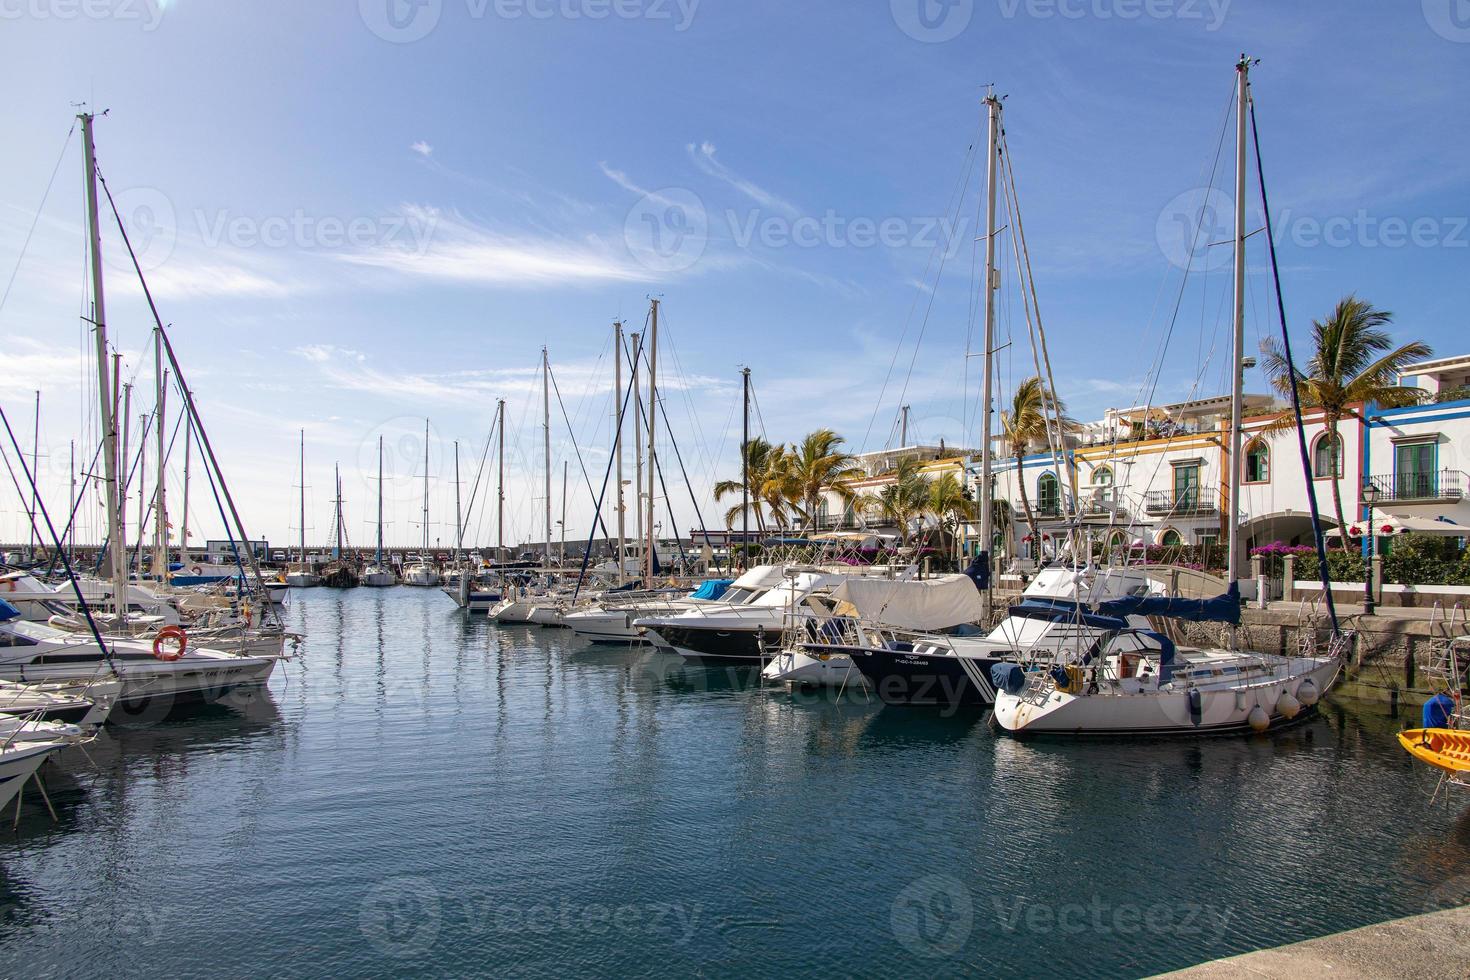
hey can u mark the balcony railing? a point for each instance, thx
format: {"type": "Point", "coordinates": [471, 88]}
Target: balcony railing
{"type": "Point", "coordinates": [1401, 487]}
{"type": "Point", "coordinates": [1191, 501]}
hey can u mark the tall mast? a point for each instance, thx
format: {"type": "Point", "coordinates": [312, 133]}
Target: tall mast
{"type": "Point", "coordinates": [378, 553]}
{"type": "Point", "coordinates": [458, 514]}
{"type": "Point", "coordinates": [425, 555]}
{"type": "Point", "coordinates": [546, 432]}
{"type": "Point", "coordinates": [123, 460]}
{"type": "Point", "coordinates": [563, 552]}
{"type": "Point", "coordinates": [637, 453]}
{"type": "Point", "coordinates": [500, 506]}
{"type": "Point", "coordinates": [303, 494]}
{"type": "Point", "coordinates": [337, 479]}
{"type": "Point", "coordinates": [745, 467]}
{"type": "Point", "coordinates": [992, 105]}
{"type": "Point", "coordinates": [105, 390]}
{"type": "Point", "coordinates": [618, 439]}
{"type": "Point", "coordinates": [184, 519]}
{"type": "Point", "coordinates": [652, 557]}
{"type": "Point", "coordinates": [160, 508]}
{"type": "Point", "coordinates": [142, 479]}
{"type": "Point", "coordinates": [1242, 100]}
{"type": "Point", "coordinates": [35, 472]}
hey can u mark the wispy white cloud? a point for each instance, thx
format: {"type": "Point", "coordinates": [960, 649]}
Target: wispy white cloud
{"type": "Point", "coordinates": [703, 155]}
{"type": "Point", "coordinates": [457, 249]}
{"type": "Point", "coordinates": [421, 148]}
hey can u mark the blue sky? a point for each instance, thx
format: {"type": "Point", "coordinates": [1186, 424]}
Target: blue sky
{"type": "Point", "coordinates": [359, 214]}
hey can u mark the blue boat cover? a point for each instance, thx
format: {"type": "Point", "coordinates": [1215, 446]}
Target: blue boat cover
{"type": "Point", "coordinates": [1008, 677]}
{"type": "Point", "coordinates": [1166, 654]}
{"type": "Point", "coordinates": [8, 612]}
{"type": "Point", "coordinates": [979, 570]}
{"type": "Point", "coordinates": [1066, 613]}
{"type": "Point", "coordinates": [1221, 609]}
{"type": "Point", "coordinates": [712, 588]}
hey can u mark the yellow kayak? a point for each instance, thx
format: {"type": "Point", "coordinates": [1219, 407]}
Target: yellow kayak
{"type": "Point", "coordinates": [1442, 748]}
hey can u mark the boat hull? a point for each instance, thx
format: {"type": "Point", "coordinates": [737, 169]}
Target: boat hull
{"type": "Point", "coordinates": [808, 669]}
{"type": "Point", "coordinates": [19, 763]}
{"type": "Point", "coordinates": [717, 644]}
{"type": "Point", "coordinates": [921, 679]}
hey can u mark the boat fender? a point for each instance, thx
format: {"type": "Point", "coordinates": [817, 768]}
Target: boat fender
{"type": "Point", "coordinates": [1196, 707]}
{"type": "Point", "coordinates": [1287, 706]}
{"type": "Point", "coordinates": [1258, 719]}
{"type": "Point", "coordinates": [1008, 678]}
{"type": "Point", "coordinates": [1307, 693]}
{"type": "Point", "coordinates": [166, 634]}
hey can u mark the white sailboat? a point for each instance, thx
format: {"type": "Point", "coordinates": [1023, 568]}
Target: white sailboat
{"type": "Point", "coordinates": [302, 575]}
{"type": "Point", "coordinates": [422, 572]}
{"type": "Point", "coordinates": [1137, 682]}
{"type": "Point", "coordinates": [377, 575]}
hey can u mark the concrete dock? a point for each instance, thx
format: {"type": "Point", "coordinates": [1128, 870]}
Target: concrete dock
{"type": "Point", "coordinates": [1425, 947]}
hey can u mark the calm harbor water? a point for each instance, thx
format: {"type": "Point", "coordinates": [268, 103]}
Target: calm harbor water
{"type": "Point", "coordinates": [422, 793]}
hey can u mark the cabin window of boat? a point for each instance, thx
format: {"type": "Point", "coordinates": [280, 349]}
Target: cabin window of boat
{"type": "Point", "coordinates": [1327, 457]}
{"type": "Point", "coordinates": [1257, 462]}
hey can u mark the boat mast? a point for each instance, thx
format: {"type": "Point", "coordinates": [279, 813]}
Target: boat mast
{"type": "Point", "coordinates": [184, 519]}
{"type": "Point", "coordinates": [35, 472]}
{"type": "Point", "coordinates": [546, 434]}
{"type": "Point", "coordinates": [105, 391]}
{"type": "Point", "coordinates": [160, 508]}
{"type": "Point", "coordinates": [637, 454]}
{"type": "Point", "coordinates": [992, 105]}
{"type": "Point", "coordinates": [651, 559]}
{"type": "Point", "coordinates": [142, 479]}
{"type": "Point", "coordinates": [303, 493]}
{"type": "Point", "coordinates": [378, 554]}
{"type": "Point", "coordinates": [562, 552]}
{"type": "Point", "coordinates": [458, 514]}
{"type": "Point", "coordinates": [122, 481]}
{"type": "Point", "coordinates": [745, 468]}
{"type": "Point", "coordinates": [500, 507]}
{"type": "Point", "coordinates": [424, 557]}
{"type": "Point", "coordinates": [337, 479]}
{"type": "Point", "coordinates": [618, 440]}
{"type": "Point", "coordinates": [1242, 100]}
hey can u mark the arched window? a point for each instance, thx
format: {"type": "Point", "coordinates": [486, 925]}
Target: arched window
{"type": "Point", "coordinates": [1102, 480]}
{"type": "Point", "coordinates": [1115, 548]}
{"type": "Point", "coordinates": [1048, 495]}
{"type": "Point", "coordinates": [1170, 538]}
{"type": "Point", "coordinates": [1257, 462]}
{"type": "Point", "coordinates": [1327, 457]}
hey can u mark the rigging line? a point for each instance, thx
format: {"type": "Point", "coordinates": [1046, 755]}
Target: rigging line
{"type": "Point", "coordinates": [475, 487]}
{"type": "Point", "coordinates": [1156, 370]}
{"type": "Point", "coordinates": [1296, 398]}
{"type": "Point", "coordinates": [56, 542]}
{"type": "Point", "coordinates": [36, 218]}
{"type": "Point", "coordinates": [956, 196]}
{"type": "Point", "coordinates": [597, 520]}
{"type": "Point", "coordinates": [704, 528]}
{"type": "Point", "coordinates": [928, 310]}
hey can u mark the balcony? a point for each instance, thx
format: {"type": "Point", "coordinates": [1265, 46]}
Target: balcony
{"type": "Point", "coordinates": [1193, 501]}
{"type": "Point", "coordinates": [1401, 488]}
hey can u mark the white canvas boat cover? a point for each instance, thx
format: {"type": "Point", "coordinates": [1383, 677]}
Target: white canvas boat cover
{"type": "Point", "coordinates": [930, 604]}
{"type": "Point", "coordinates": [760, 577]}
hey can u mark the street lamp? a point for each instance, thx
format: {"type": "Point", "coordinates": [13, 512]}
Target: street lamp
{"type": "Point", "coordinates": [1370, 497]}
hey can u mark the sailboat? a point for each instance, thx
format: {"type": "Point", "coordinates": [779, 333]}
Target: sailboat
{"type": "Point", "coordinates": [339, 573]}
{"type": "Point", "coordinates": [422, 572]}
{"type": "Point", "coordinates": [1136, 681]}
{"type": "Point", "coordinates": [377, 575]}
{"type": "Point", "coordinates": [302, 576]}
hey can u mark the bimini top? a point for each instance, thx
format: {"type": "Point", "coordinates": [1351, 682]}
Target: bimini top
{"type": "Point", "coordinates": [928, 604]}
{"type": "Point", "coordinates": [1221, 609]}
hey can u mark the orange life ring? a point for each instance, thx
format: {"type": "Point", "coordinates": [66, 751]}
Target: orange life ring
{"type": "Point", "coordinates": [170, 633]}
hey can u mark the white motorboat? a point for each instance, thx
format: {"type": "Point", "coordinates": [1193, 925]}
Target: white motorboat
{"type": "Point", "coordinates": [37, 653]}
{"type": "Point", "coordinates": [377, 576]}
{"type": "Point", "coordinates": [302, 578]}
{"type": "Point", "coordinates": [19, 762]}
{"type": "Point", "coordinates": [812, 669]}
{"type": "Point", "coordinates": [84, 705]}
{"type": "Point", "coordinates": [420, 574]}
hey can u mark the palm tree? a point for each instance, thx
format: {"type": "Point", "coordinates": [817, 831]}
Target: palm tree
{"type": "Point", "coordinates": [765, 467]}
{"type": "Point", "coordinates": [816, 466]}
{"type": "Point", "coordinates": [948, 504]}
{"type": "Point", "coordinates": [1348, 365]}
{"type": "Point", "coordinates": [1025, 424]}
{"type": "Point", "coordinates": [906, 498]}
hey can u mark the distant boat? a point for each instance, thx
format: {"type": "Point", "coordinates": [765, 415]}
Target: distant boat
{"type": "Point", "coordinates": [302, 576]}
{"type": "Point", "coordinates": [378, 575]}
{"type": "Point", "coordinates": [418, 571]}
